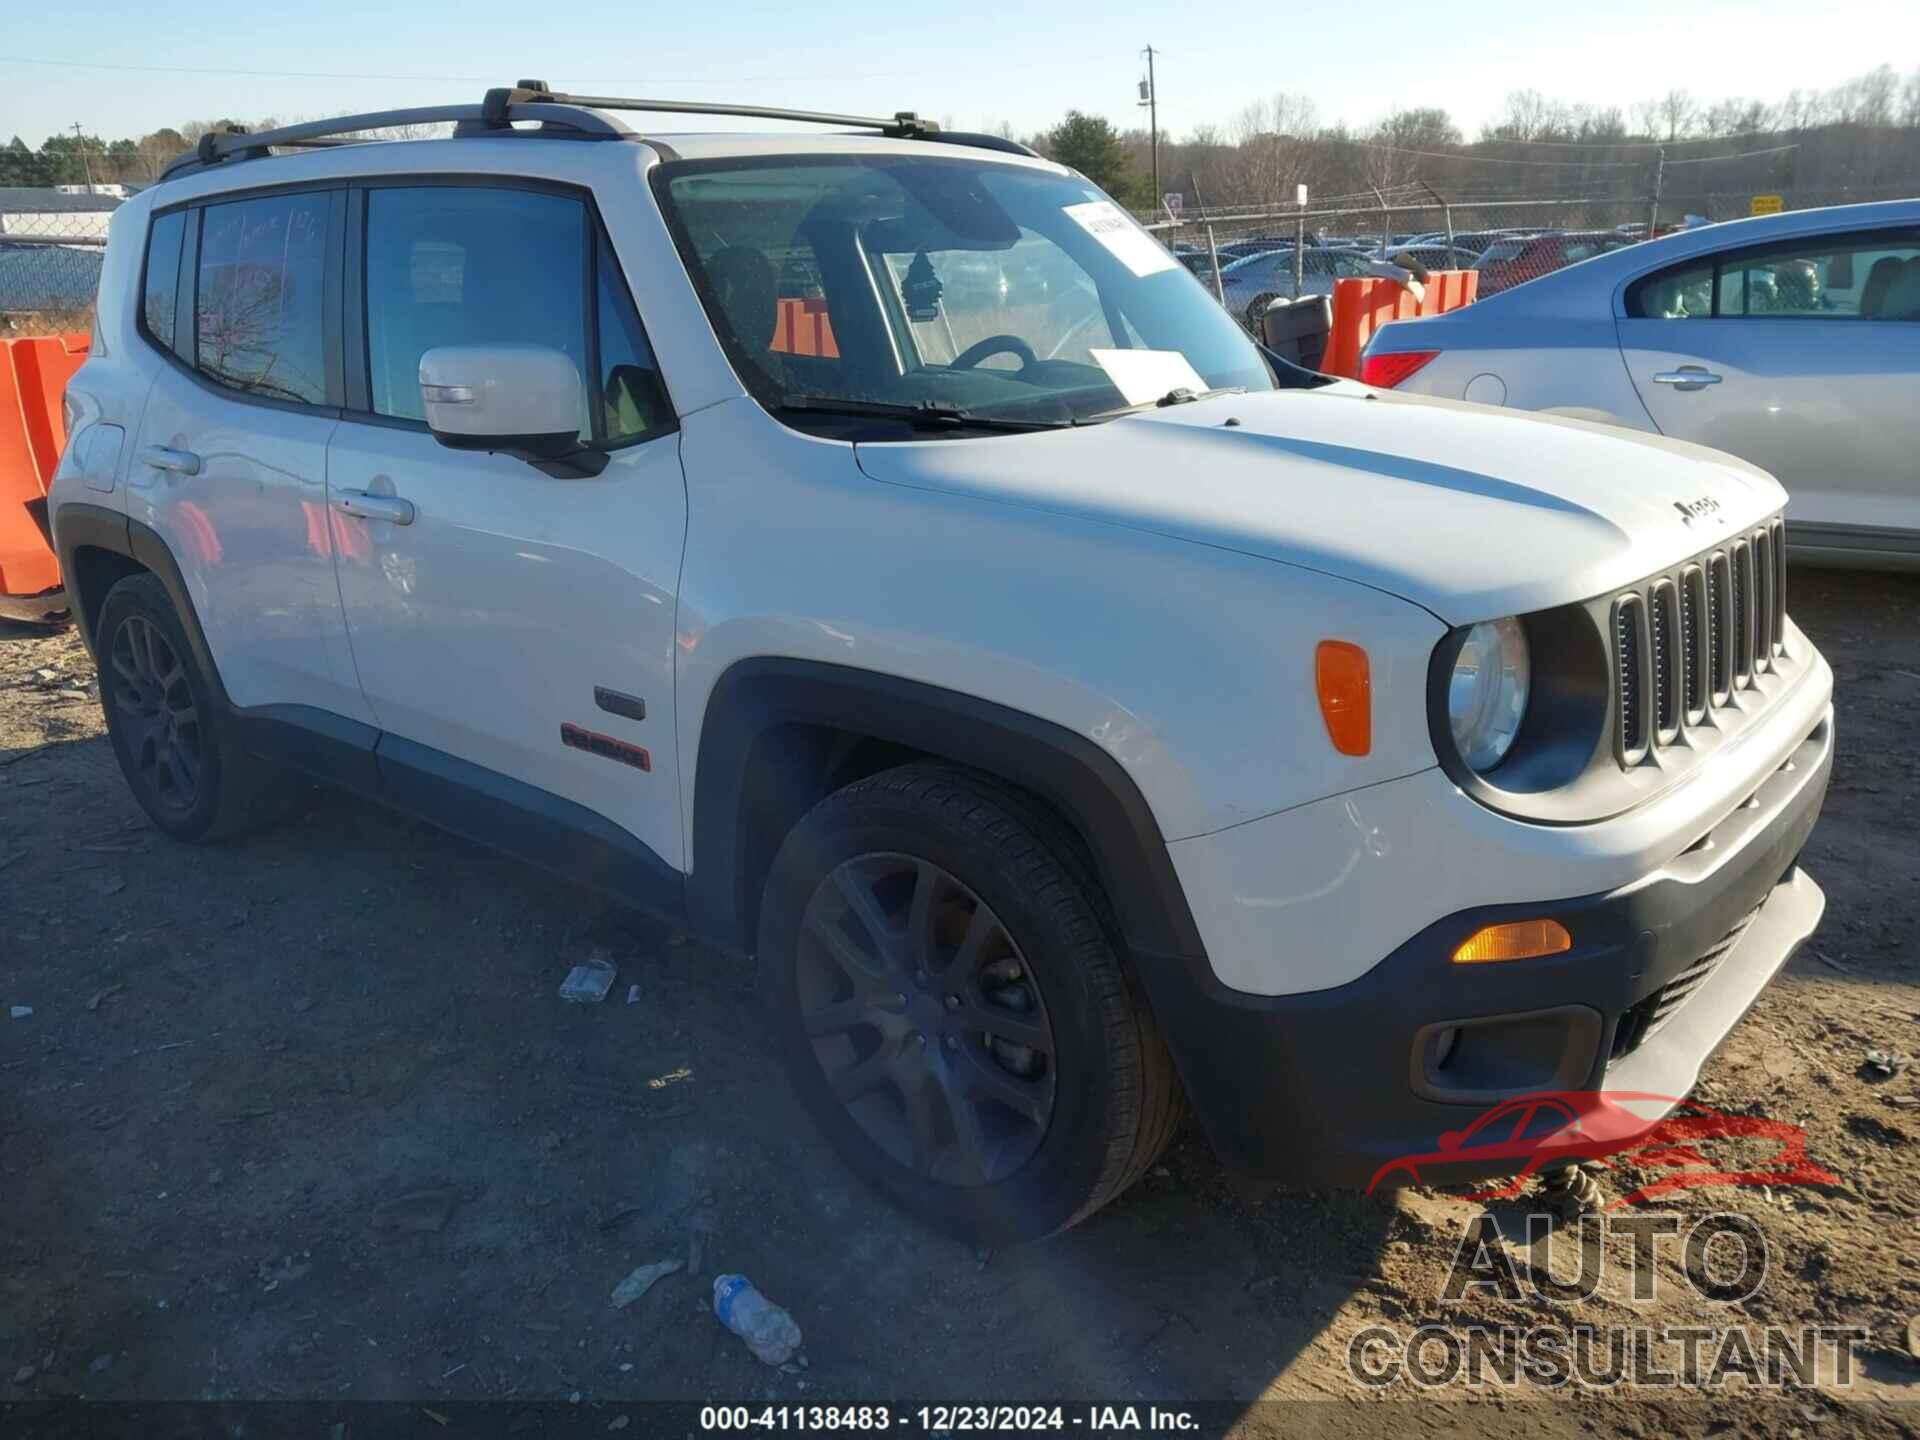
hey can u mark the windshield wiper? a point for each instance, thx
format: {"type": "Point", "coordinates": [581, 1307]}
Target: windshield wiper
{"type": "Point", "coordinates": [923, 415]}
{"type": "Point", "coordinates": [1179, 395]}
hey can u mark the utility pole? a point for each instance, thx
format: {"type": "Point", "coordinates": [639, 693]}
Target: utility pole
{"type": "Point", "coordinates": [85, 159]}
{"type": "Point", "coordinates": [1659, 177]}
{"type": "Point", "coordinates": [1150, 97]}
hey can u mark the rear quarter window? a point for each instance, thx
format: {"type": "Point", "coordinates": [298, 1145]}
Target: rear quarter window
{"type": "Point", "coordinates": [160, 283]}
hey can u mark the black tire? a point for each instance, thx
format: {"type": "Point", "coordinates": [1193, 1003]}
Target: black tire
{"type": "Point", "coordinates": [169, 730]}
{"type": "Point", "coordinates": [1257, 312]}
{"type": "Point", "coordinates": [1112, 1100]}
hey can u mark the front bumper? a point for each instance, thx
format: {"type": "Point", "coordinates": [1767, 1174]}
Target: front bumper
{"type": "Point", "coordinates": [1328, 1086]}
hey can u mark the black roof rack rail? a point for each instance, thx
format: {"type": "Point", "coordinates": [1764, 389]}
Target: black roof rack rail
{"type": "Point", "coordinates": [904, 124]}
{"type": "Point", "coordinates": [531, 101]}
{"type": "Point", "coordinates": [239, 143]}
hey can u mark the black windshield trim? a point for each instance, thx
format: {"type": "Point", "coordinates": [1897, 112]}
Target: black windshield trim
{"type": "Point", "coordinates": [927, 414]}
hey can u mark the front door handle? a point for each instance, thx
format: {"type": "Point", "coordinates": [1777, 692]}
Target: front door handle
{"type": "Point", "coordinates": [165, 457]}
{"type": "Point", "coordinates": [1687, 377]}
{"type": "Point", "coordinates": [362, 506]}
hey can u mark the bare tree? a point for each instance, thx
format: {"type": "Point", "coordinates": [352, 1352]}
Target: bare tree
{"type": "Point", "coordinates": [1529, 116]}
{"type": "Point", "coordinates": [1675, 113]}
{"type": "Point", "coordinates": [1879, 93]}
{"type": "Point", "coordinates": [1733, 117]}
{"type": "Point", "coordinates": [1274, 148]}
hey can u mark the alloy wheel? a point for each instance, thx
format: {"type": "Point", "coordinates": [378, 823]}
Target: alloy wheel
{"type": "Point", "coordinates": [926, 1019]}
{"type": "Point", "coordinates": [156, 709]}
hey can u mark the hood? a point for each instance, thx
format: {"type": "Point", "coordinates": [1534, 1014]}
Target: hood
{"type": "Point", "coordinates": [1468, 511]}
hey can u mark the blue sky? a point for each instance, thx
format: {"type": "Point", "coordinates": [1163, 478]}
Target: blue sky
{"type": "Point", "coordinates": [978, 65]}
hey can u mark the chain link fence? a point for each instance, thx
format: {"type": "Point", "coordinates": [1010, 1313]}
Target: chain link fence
{"type": "Point", "coordinates": [1263, 255]}
{"type": "Point", "coordinates": [51, 247]}
{"type": "Point", "coordinates": [52, 242]}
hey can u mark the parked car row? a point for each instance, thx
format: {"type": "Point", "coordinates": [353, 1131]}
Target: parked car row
{"type": "Point", "coordinates": [1258, 270]}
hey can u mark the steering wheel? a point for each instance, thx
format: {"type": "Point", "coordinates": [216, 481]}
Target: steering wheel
{"type": "Point", "coordinates": [991, 346]}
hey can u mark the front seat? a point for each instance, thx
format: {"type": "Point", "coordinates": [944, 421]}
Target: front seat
{"type": "Point", "coordinates": [1903, 297]}
{"type": "Point", "coordinates": [1873, 294]}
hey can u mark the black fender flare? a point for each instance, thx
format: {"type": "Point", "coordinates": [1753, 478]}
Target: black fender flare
{"type": "Point", "coordinates": [79, 526]}
{"type": "Point", "coordinates": [1075, 777]}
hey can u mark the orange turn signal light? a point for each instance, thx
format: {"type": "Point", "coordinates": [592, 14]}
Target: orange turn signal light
{"type": "Point", "coordinates": [1516, 940]}
{"type": "Point", "coordinates": [1345, 687]}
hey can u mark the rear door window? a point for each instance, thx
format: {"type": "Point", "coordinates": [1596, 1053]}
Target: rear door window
{"type": "Point", "coordinates": [1682, 293]}
{"type": "Point", "coordinates": [260, 306]}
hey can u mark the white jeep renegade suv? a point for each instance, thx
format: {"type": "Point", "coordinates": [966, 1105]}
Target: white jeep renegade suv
{"type": "Point", "coordinates": [875, 552]}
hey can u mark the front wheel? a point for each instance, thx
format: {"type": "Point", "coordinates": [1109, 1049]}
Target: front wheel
{"type": "Point", "coordinates": [953, 1010]}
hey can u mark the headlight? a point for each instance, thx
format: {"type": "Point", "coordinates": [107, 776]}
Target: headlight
{"type": "Point", "coordinates": [1487, 694]}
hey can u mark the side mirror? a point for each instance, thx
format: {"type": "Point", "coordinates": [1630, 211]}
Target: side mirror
{"type": "Point", "coordinates": [519, 400]}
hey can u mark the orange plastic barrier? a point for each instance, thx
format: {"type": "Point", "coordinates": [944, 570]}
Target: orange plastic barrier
{"type": "Point", "coordinates": [33, 378]}
{"type": "Point", "coordinates": [1362, 306]}
{"type": "Point", "coordinates": [801, 327]}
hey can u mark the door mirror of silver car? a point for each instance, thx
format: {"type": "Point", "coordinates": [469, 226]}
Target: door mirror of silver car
{"type": "Point", "coordinates": [519, 400]}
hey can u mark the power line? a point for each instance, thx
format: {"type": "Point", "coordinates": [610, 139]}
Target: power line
{"type": "Point", "coordinates": [1563, 164]}
{"type": "Point", "coordinates": [1624, 144]}
{"type": "Point", "coordinates": [1497, 160]}
{"type": "Point", "coordinates": [1743, 155]}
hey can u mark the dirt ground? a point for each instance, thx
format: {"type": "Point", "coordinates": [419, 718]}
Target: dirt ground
{"type": "Point", "coordinates": [303, 1118]}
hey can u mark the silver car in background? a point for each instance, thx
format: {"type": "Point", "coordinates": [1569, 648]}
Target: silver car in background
{"type": "Point", "coordinates": [1251, 283]}
{"type": "Point", "coordinates": [1791, 341]}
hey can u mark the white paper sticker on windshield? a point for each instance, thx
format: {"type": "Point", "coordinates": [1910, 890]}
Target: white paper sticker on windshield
{"type": "Point", "coordinates": [1131, 246]}
{"type": "Point", "coordinates": [1143, 375]}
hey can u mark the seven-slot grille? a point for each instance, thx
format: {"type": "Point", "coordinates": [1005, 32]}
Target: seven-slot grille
{"type": "Point", "coordinates": [1684, 644]}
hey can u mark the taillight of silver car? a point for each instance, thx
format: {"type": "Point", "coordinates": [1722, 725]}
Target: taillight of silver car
{"type": "Point", "coordinates": [1387, 371]}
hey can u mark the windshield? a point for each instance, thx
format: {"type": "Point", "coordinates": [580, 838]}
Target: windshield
{"type": "Point", "coordinates": [999, 291]}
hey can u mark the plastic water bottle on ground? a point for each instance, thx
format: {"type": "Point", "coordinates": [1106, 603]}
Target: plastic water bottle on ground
{"type": "Point", "coordinates": [770, 1332]}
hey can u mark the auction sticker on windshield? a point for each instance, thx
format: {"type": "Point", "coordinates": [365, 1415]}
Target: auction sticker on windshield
{"type": "Point", "coordinates": [1131, 245]}
{"type": "Point", "coordinates": [1143, 375]}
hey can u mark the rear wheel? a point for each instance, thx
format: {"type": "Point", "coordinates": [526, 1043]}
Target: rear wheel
{"type": "Point", "coordinates": [174, 742]}
{"type": "Point", "coordinates": [953, 1009]}
{"type": "Point", "coordinates": [1257, 312]}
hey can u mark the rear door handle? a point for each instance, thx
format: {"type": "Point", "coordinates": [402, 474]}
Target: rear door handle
{"type": "Point", "coordinates": [1687, 377]}
{"type": "Point", "coordinates": [362, 506]}
{"type": "Point", "coordinates": [165, 457]}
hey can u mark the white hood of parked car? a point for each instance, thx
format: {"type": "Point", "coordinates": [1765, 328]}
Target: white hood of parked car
{"type": "Point", "coordinates": [1467, 511]}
